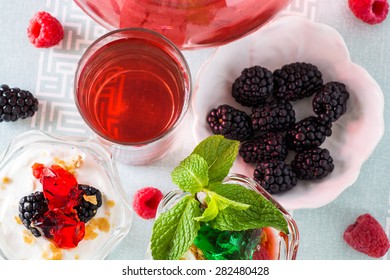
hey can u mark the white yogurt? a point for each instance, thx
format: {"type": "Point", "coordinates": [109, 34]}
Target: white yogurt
{"type": "Point", "coordinates": [16, 181]}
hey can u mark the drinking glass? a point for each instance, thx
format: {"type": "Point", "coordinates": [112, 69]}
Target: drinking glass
{"type": "Point", "coordinates": [132, 88]}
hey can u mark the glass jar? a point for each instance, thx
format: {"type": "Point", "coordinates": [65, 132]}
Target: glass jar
{"type": "Point", "coordinates": [91, 165]}
{"type": "Point", "coordinates": [278, 245]}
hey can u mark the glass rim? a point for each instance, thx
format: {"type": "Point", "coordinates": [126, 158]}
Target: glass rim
{"type": "Point", "coordinates": [187, 84]}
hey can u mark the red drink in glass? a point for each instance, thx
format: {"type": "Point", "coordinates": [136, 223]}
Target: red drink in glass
{"type": "Point", "coordinates": [132, 89]}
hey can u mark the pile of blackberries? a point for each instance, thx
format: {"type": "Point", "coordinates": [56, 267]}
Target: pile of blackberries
{"type": "Point", "coordinates": [271, 130]}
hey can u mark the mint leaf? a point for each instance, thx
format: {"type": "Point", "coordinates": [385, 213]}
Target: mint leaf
{"type": "Point", "coordinates": [216, 203]}
{"type": "Point", "coordinates": [191, 175]}
{"type": "Point", "coordinates": [175, 230]}
{"type": "Point", "coordinates": [224, 202]}
{"type": "Point", "coordinates": [210, 212]}
{"type": "Point", "coordinates": [220, 154]}
{"type": "Point", "coordinates": [261, 212]}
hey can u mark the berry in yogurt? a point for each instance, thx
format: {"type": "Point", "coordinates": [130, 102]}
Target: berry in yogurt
{"type": "Point", "coordinates": [60, 211]}
{"type": "Point", "coordinates": [58, 202]}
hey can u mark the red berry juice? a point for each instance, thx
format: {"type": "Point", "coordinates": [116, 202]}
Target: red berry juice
{"type": "Point", "coordinates": [187, 23]}
{"type": "Point", "coordinates": [132, 89]}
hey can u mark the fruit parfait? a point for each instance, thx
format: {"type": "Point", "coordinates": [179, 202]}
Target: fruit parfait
{"type": "Point", "coordinates": [220, 216]}
{"type": "Point", "coordinates": [60, 198]}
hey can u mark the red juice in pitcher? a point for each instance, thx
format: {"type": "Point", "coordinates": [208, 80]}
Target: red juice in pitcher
{"type": "Point", "coordinates": [132, 90]}
{"type": "Point", "coordinates": [189, 24]}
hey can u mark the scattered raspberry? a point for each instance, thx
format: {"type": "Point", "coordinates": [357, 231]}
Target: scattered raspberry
{"type": "Point", "coordinates": [44, 30]}
{"type": "Point", "coordinates": [370, 11]}
{"type": "Point", "coordinates": [146, 201]}
{"type": "Point", "coordinates": [366, 235]}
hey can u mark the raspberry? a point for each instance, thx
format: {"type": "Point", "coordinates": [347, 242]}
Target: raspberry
{"type": "Point", "coordinates": [146, 201]}
{"type": "Point", "coordinates": [44, 30]}
{"type": "Point", "coordinates": [367, 236]}
{"type": "Point", "coordinates": [370, 11]}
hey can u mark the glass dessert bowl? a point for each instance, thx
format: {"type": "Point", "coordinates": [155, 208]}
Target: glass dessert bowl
{"type": "Point", "coordinates": [60, 198]}
{"type": "Point", "coordinates": [262, 244]}
{"type": "Point", "coordinates": [189, 24]}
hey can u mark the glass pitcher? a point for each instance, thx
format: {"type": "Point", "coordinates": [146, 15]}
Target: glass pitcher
{"type": "Point", "coordinates": [189, 24]}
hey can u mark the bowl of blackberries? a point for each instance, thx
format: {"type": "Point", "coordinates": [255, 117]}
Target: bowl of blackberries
{"type": "Point", "coordinates": [306, 116]}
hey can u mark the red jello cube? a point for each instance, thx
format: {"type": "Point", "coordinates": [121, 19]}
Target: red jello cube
{"type": "Point", "coordinates": [60, 188]}
{"type": "Point", "coordinates": [63, 229]}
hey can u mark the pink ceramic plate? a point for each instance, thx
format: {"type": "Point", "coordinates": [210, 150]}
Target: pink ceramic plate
{"type": "Point", "coordinates": [286, 40]}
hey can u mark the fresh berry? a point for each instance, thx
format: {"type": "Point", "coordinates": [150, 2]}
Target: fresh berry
{"type": "Point", "coordinates": [146, 201]}
{"type": "Point", "coordinates": [44, 30]}
{"type": "Point", "coordinates": [296, 80]}
{"type": "Point", "coordinates": [370, 11]}
{"type": "Point", "coordinates": [253, 86]}
{"type": "Point", "coordinates": [307, 134]}
{"type": "Point", "coordinates": [16, 104]}
{"type": "Point", "coordinates": [263, 148]}
{"type": "Point", "coordinates": [330, 102]}
{"type": "Point", "coordinates": [275, 176]}
{"type": "Point", "coordinates": [62, 209]}
{"type": "Point", "coordinates": [312, 164]}
{"type": "Point", "coordinates": [230, 122]}
{"type": "Point", "coordinates": [32, 207]}
{"type": "Point", "coordinates": [277, 115]}
{"type": "Point", "coordinates": [367, 236]}
{"type": "Point", "coordinates": [90, 203]}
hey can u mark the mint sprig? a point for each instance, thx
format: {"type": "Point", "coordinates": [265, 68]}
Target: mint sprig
{"type": "Point", "coordinates": [224, 207]}
{"type": "Point", "coordinates": [175, 229]}
{"type": "Point", "coordinates": [192, 174]}
{"type": "Point", "coordinates": [260, 213]}
{"type": "Point", "coordinates": [217, 203]}
{"type": "Point", "coordinates": [220, 154]}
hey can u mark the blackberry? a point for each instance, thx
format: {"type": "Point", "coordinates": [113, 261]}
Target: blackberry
{"type": "Point", "coordinates": [330, 102]}
{"type": "Point", "coordinates": [230, 122]}
{"type": "Point", "coordinates": [32, 207]}
{"type": "Point", "coordinates": [277, 115]}
{"type": "Point", "coordinates": [270, 145]}
{"type": "Point", "coordinates": [275, 176]}
{"type": "Point", "coordinates": [90, 203]}
{"type": "Point", "coordinates": [296, 80]}
{"type": "Point", "coordinates": [16, 103]}
{"type": "Point", "coordinates": [308, 133]}
{"type": "Point", "coordinates": [253, 86]}
{"type": "Point", "coordinates": [312, 164]}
